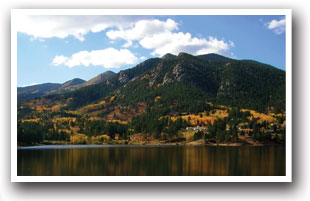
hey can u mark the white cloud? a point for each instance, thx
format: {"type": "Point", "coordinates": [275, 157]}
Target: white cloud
{"type": "Point", "coordinates": [32, 84]}
{"type": "Point", "coordinates": [108, 58]}
{"type": "Point", "coordinates": [160, 36]}
{"type": "Point", "coordinates": [99, 27]}
{"type": "Point", "coordinates": [278, 26]}
{"type": "Point", "coordinates": [40, 27]}
{"type": "Point", "coordinates": [127, 44]}
{"type": "Point", "coordinates": [141, 29]}
{"type": "Point", "coordinates": [142, 58]}
{"type": "Point", "coordinates": [184, 42]}
{"type": "Point", "coordinates": [58, 60]}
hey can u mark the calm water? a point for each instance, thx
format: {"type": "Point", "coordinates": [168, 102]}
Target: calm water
{"type": "Point", "coordinates": [105, 160]}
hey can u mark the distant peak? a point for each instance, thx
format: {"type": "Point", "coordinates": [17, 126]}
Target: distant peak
{"type": "Point", "coordinates": [100, 78]}
{"type": "Point", "coordinates": [183, 54]}
{"type": "Point", "coordinates": [78, 79]}
{"type": "Point", "coordinates": [75, 81]}
{"type": "Point", "coordinates": [168, 56]}
{"type": "Point", "coordinates": [105, 75]}
{"type": "Point", "coordinates": [108, 72]}
{"type": "Point", "coordinates": [214, 57]}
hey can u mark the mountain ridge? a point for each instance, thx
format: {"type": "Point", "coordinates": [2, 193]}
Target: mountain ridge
{"type": "Point", "coordinates": [99, 78]}
{"type": "Point", "coordinates": [164, 101]}
{"type": "Point", "coordinates": [221, 79]}
{"type": "Point", "coordinates": [73, 82]}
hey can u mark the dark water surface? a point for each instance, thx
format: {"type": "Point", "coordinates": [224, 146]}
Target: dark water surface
{"type": "Point", "coordinates": [113, 160]}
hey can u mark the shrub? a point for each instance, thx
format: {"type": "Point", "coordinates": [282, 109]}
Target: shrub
{"type": "Point", "coordinates": [198, 135]}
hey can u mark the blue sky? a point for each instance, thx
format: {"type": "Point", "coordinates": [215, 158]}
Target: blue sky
{"type": "Point", "coordinates": [59, 48]}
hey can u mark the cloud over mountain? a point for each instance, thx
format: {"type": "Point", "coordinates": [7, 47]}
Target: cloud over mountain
{"type": "Point", "coordinates": [162, 37]}
{"type": "Point", "coordinates": [108, 58]}
{"type": "Point", "coordinates": [148, 33]}
{"type": "Point", "coordinates": [142, 29]}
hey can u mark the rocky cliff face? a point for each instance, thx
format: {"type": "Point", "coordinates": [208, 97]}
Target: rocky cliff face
{"type": "Point", "coordinates": [226, 81]}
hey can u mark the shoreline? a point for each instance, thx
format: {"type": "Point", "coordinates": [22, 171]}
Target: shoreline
{"type": "Point", "coordinates": [157, 143]}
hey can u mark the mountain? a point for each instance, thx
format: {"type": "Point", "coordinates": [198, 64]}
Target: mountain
{"type": "Point", "coordinates": [184, 83]}
{"type": "Point", "coordinates": [93, 93]}
{"type": "Point", "coordinates": [215, 57]}
{"type": "Point", "coordinates": [162, 97]}
{"type": "Point", "coordinates": [169, 56]}
{"type": "Point", "coordinates": [74, 82]}
{"type": "Point", "coordinates": [34, 91]}
{"type": "Point", "coordinates": [68, 86]}
{"type": "Point", "coordinates": [100, 78]}
{"type": "Point", "coordinates": [189, 78]}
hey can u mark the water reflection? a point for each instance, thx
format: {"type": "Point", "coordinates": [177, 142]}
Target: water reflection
{"type": "Point", "coordinates": [153, 161]}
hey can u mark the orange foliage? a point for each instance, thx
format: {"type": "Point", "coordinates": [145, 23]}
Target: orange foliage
{"type": "Point", "coordinates": [157, 98]}
{"type": "Point", "coordinates": [31, 120]}
{"type": "Point", "coordinates": [65, 130]}
{"type": "Point", "coordinates": [72, 112]}
{"type": "Point", "coordinates": [99, 139]}
{"type": "Point", "coordinates": [56, 107]}
{"type": "Point", "coordinates": [78, 139]}
{"type": "Point", "coordinates": [221, 114]}
{"type": "Point", "coordinates": [42, 108]}
{"type": "Point", "coordinates": [119, 121]}
{"type": "Point", "coordinates": [64, 119]}
{"type": "Point", "coordinates": [195, 119]}
{"type": "Point", "coordinates": [95, 106]}
{"type": "Point", "coordinates": [146, 77]}
{"type": "Point", "coordinates": [262, 117]}
{"type": "Point", "coordinates": [94, 118]}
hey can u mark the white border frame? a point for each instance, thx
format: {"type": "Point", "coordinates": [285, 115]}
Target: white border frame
{"type": "Point", "coordinates": [17, 12]}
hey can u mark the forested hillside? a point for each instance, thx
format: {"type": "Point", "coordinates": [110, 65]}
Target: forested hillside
{"type": "Point", "coordinates": [165, 99]}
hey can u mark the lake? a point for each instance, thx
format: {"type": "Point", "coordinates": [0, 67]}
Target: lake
{"type": "Point", "coordinates": [122, 160]}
